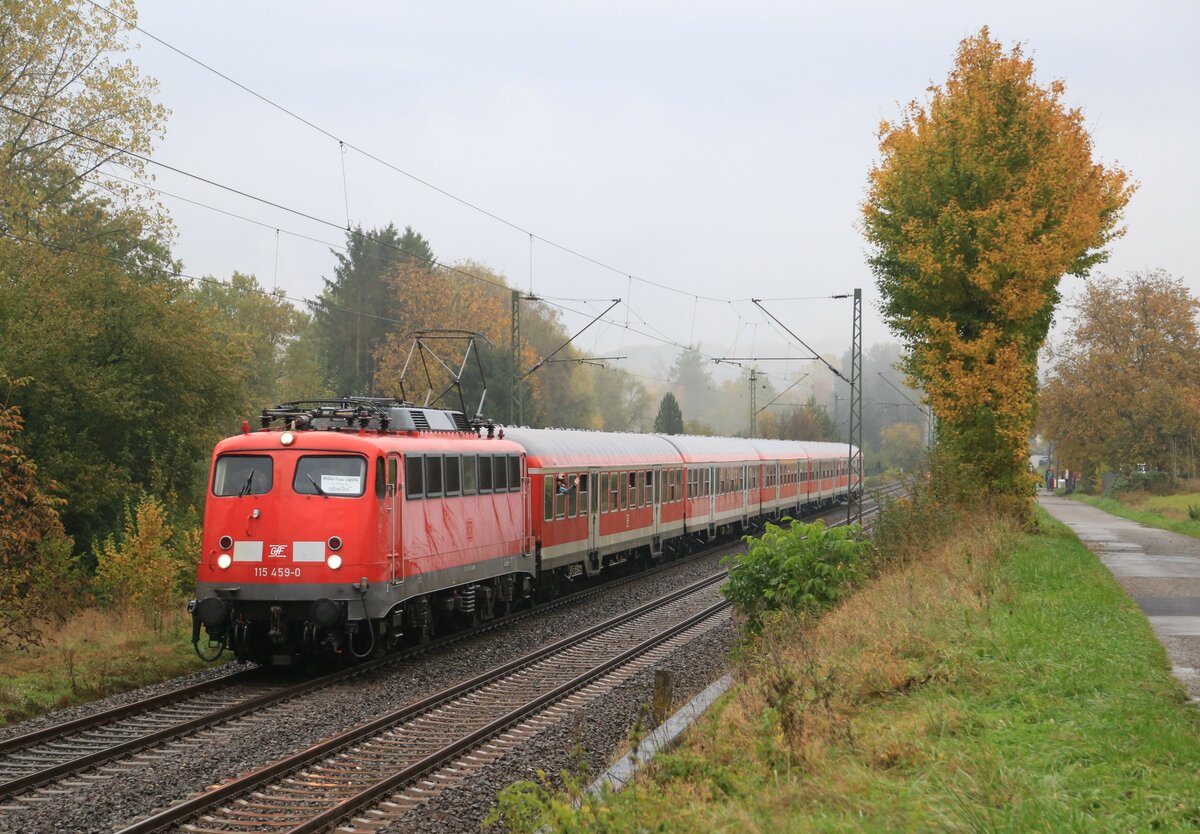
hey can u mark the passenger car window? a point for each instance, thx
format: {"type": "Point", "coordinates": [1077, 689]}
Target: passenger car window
{"type": "Point", "coordinates": [335, 476]}
{"type": "Point", "coordinates": [242, 475]}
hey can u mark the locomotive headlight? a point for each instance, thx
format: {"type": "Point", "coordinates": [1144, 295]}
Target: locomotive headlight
{"type": "Point", "coordinates": [287, 438]}
{"type": "Point", "coordinates": [334, 561]}
{"type": "Point", "coordinates": [224, 561]}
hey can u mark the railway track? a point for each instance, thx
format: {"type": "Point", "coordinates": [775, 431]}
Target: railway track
{"type": "Point", "coordinates": [55, 754]}
{"type": "Point", "coordinates": [61, 751]}
{"type": "Point", "coordinates": [339, 777]}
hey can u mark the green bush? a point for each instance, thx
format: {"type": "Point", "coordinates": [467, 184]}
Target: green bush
{"type": "Point", "coordinates": [799, 567]}
{"type": "Point", "coordinates": [1155, 483]}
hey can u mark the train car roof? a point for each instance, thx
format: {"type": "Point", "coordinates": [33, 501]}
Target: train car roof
{"type": "Point", "coordinates": [695, 447]}
{"type": "Point", "coordinates": [574, 448]}
{"type": "Point", "coordinates": [557, 448]}
{"type": "Point", "coordinates": [772, 449]}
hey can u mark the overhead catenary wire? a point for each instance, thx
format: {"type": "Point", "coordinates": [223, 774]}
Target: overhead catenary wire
{"type": "Point", "coordinates": [323, 221]}
{"type": "Point", "coordinates": [401, 171]}
{"type": "Point", "coordinates": [343, 147]}
{"type": "Point", "coordinates": [247, 195]}
{"type": "Point", "coordinates": [199, 279]}
{"type": "Point", "coordinates": [203, 279]}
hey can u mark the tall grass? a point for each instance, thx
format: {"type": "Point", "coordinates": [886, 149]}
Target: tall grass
{"type": "Point", "coordinates": [987, 680]}
{"type": "Point", "coordinates": [98, 652]}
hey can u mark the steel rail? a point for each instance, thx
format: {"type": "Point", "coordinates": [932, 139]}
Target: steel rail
{"type": "Point", "coordinates": [180, 696]}
{"type": "Point", "coordinates": [385, 786]}
{"type": "Point", "coordinates": [197, 805]}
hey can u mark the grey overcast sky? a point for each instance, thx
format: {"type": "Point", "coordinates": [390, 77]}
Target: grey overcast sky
{"type": "Point", "coordinates": [718, 149]}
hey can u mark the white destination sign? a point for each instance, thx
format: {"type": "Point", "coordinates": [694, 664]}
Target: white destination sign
{"type": "Point", "coordinates": [340, 484]}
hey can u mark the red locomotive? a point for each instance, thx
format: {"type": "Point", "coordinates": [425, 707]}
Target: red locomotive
{"type": "Point", "coordinates": [354, 524]}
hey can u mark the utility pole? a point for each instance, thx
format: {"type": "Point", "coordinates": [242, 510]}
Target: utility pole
{"type": "Point", "coordinates": [516, 405]}
{"type": "Point", "coordinates": [854, 445]}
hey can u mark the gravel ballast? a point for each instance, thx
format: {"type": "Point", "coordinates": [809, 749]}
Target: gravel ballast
{"type": "Point", "coordinates": [116, 795]}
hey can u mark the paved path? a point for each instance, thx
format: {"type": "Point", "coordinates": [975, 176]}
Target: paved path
{"type": "Point", "coordinates": [1160, 570]}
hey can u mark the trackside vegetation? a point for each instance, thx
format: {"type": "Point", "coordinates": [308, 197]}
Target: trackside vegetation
{"type": "Point", "coordinates": [1177, 513]}
{"type": "Point", "coordinates": [988, 679]}
{"type": "Point", "coordinates": [800, 567]}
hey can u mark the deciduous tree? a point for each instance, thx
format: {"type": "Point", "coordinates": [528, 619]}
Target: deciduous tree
{"type": "Point", "coordinates": [982, 199]}
{"type": "Point", "coordinates": [359, 305]}
{"type": "Point", "coordinates": [1125, 380]}
{"type": "Point", "coordinates": [30, 531]}
{"type": "Point", "coordinates": [69, 102]}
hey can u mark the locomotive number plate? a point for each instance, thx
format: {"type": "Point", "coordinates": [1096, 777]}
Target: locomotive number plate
{"type": "Point", "coordinates": [280, 573]}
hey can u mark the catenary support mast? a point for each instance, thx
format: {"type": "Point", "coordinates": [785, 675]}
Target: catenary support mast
{"type": "Point", "coordinates": [854, 447]}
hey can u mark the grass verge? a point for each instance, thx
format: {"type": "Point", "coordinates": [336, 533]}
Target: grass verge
{"type": "Point", "coordinates": [97, 653]}
{"type": "Point", "coordinates": [1166, 512]}
{"type": "Point", "coordinates": [1003, 682]}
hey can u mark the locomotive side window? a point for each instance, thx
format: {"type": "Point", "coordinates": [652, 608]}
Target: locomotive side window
{"type": "Point", "coordinates": [514, 473]}
{"type": "Point", "coordinates": [242, 475]}
{"type": "Point", "coordinates": [485, 473]}
{"type": "Point", "coordinates": [380, 472]}
{"type": "Point", "coordinates": [414, 477]}
{"type": "Point", "coordinates": [433, 476]}
{"type": "Point", "coordinates": [333, 475]}
{"type": "Point", "coordinates": [453, 469]}
{"type": "Point", "coordinates": [499, 474]}
{"type": "Point", "coordinates": [469, 473]}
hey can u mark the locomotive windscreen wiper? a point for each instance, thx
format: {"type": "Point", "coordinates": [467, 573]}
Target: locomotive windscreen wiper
{"type": "Point", "coordinates": [316, 486]}
{"type": "Point", "coordinates": [246, 488]}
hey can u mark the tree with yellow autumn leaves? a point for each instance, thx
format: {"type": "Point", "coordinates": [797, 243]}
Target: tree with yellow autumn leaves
{"type": "Point", "coordinates": [983, 198]}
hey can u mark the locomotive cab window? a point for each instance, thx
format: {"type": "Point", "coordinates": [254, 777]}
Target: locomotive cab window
{"type": "Point", "coordinates": [514, 473]}
{"type": "Point", "coordinates": [335, 476]}
{"type": "Point", "coordinates": [242, 475]}
{"type": "Point", "coordinates": [499, 474]}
